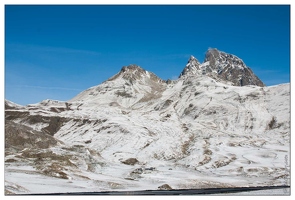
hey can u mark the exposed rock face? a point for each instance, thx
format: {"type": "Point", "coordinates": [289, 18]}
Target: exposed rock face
{"type": "Point", "coordinates": [134, 72]}
{"type": "Point", "coordinates": [130, 161]}
{"type": "Point", "coordinates": [222, 67]}
{"type": "Point", "coordinates": [131, 85]}
{"type": "Point", "coordinates": [165, 187]}
{"type": "Point", "coordinates": [18, 137]}
{"type": "Point", "coordinates": [52, 123]}
{"type": "Point", "coordinates": [192, 67]}
{"type": "Point", "coordinates": [230, 68]}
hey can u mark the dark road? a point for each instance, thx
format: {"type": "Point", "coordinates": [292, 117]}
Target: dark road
{"type": "Point", "coordinates": [175, 192]}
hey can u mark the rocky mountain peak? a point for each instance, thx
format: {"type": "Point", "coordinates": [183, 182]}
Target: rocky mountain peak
{"type": "Point", "coordinates": [192, 59]}
{"type": "Point", "coordinates": [132, 68]}
{"type": "Point", "coordinates": [223, 67]}
{"type": "Point", "coordinates": [192, 67]}
{"type": "Point", "coordinates": [134, 72]}
{"type": "Point", "coordinates": [212, 52]}
{"type": "Point", "coordinates": [230, 68]}
{"type": "Point", "coordinates": [217, 58]}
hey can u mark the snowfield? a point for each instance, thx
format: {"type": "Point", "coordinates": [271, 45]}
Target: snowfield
{"type": "Point", "coordinates": [137, 132]}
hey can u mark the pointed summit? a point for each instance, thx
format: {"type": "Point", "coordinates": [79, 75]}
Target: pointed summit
{"type": "Point", "coordinates": [132, 68]}
{"type": "Point", "coordinates": [230, 68]}
{"type": "Point", "coordinates": [218, 58]}
{"type": "Point", "coordinates": [134, 72]}
{"type": "Point", "coordinates": [191, 68]}
{"type": "Point", "coordinates": [222, 67]}
{"type": "Point", "coordinates": [192, 59]}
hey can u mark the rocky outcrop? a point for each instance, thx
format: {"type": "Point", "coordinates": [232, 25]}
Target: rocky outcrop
{"type": "Point", "coordinates": [165, 187]}
{"type": "Point", "coordinates": [192, 67]}
{"type": "Point", "coordinates": [230, 68]}
{"type": "Point", "coordinates": [130, 161]}
{"type": "Point", "coordinates": [134, 73]}
{"type": "Point", "coordinates": [18, 137]}
{"type": "Point", "coordinates": [222, 67]}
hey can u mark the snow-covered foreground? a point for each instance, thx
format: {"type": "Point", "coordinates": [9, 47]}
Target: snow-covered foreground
{"type": "Point", "coordinates": [136, 132]}
{"type": "Point", "coordinates": [272, 192]}
{"type": "Point", "coordinates": [24, 179]}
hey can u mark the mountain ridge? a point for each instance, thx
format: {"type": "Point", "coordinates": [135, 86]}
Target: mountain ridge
{"type": "Point", "coordinates": [222, 67]}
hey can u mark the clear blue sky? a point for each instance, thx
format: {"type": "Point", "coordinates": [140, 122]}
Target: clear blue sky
{"type": "Point", "coordinates": [55, 52]}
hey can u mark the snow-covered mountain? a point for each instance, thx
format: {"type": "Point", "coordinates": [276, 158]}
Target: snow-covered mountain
{"type": "Point", "coordinates": [223, 67]}
{"type": "Point", "coordinates": [136, 131]}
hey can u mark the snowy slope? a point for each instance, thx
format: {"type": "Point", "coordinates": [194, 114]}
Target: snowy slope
{"type": "Point", "coordinates": [136, 131]}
